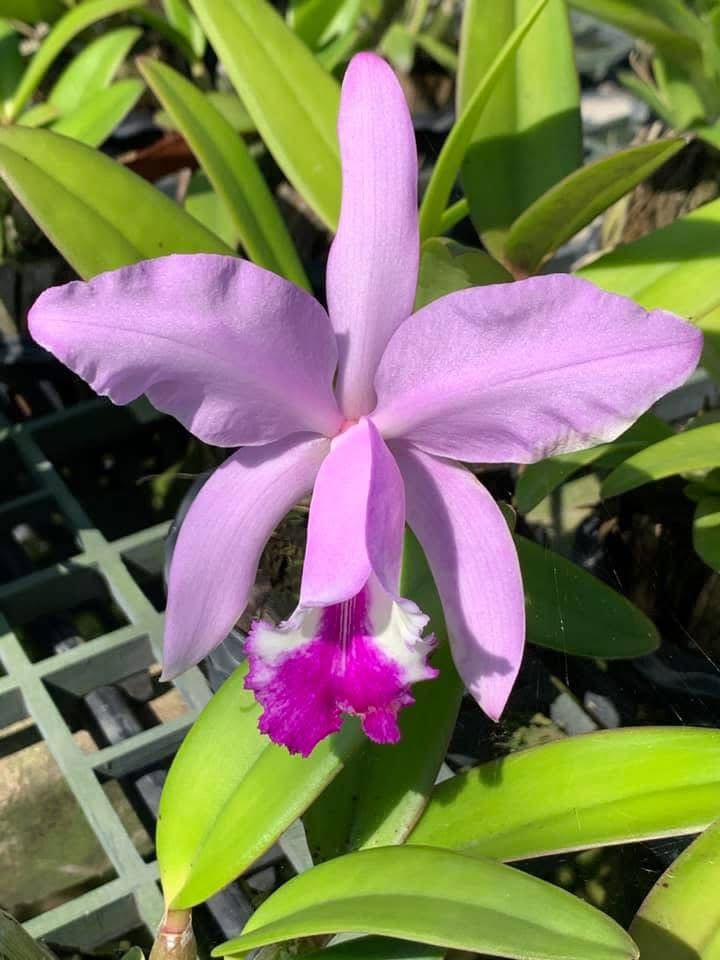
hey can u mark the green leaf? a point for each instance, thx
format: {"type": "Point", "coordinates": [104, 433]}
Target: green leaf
{"type": "Point", "coordinates": [230, 168]}
{"type": "Point", "coordinates": [205, 205]}
{"type": "Point", "coordinates": [454, 214]}
{"type": "Point", "coordinates": [680, 917]}
{"type": "Point", "coordinates": [538, 480]}
{"type": "Point", "coordinates": [96, 118]}
{"type": "Point", "coordinates": [291, 98]}
{"type": "Point", "coordinates": [571, 204]}
{"type": "Point", "coordinates": [398, 46]}
{"type": "Point", "coordinates": [378, 797]}
{"type": "Point", "coordinates": [710, 326]}
{"type": "Point", "coordinates": [649, 94]}
{"type": "Point", "coordinates": [318, 21]}
{"type": "Point", "coordinates": [706, 531]}
{"type": "Point", "coordinates": [97, 213]}
{"type": "Point", "coordinates": [38, 115]}
{"type": "Point", "coordinates": [377, 948]}
{"type": "Point", "coordinates": [453, 151]}
{"type": "Point", "coordinates": [677, 89]}
{"type": "Point", "coordinates": [570, 610]}
{"type": "Point", "coordinates": [601, 788]}
{"type": "Point", "coordinates": [230, 793]}
{"type": "Point", "coordinates": [446, 266]}
{"type": "Point", "coordinates": [437, 897]}
{"type": "Point", "coordinates": [67, 27]}
{"type": "Point", "coordinates": [93, 69]}
{"type": "Point", "coordinates": [32, 11]}
{"type": "Point", "coordinates": [529, 137]}
{"type": "Point", "coordinates": [12, 63]}
{"type": "Point", "coordinates": [182, 19]}
{"type": "Point", "coordinates": [675, 268]}
{"type": "Point", "coordinates": [696, 449]}
{"type": "Point", "coordinates": [710, 134]}
{"type": "Point", "coordinates": [643, 18]}
{"type": "Point", "coordinates": [233, 109]}
{"type": "Point", "coordinates": [162, 26]}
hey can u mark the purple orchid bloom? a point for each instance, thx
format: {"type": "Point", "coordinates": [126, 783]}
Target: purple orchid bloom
{"type": "Point", "coordinates": [367, 405]}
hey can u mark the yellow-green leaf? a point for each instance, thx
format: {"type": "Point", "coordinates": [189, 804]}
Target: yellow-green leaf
{"type": "Point", "coordinates": [291, 98]}
{"type": "Point", "coordinates": [230, 168]}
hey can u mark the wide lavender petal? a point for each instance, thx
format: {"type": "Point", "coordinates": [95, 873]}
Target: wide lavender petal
{"type": "Point", "coordinates": [357, 517]}
{"type": "Point", "coordinates": [517, 372]}
{"type": "Point", "coordinates": [237, 354]}
{"type": "Point", "coordinates": [474, 563]}
{"type": "Point", "coordinates": [221, 539]}
{"type": "Point", "coordinates": [373, 263]}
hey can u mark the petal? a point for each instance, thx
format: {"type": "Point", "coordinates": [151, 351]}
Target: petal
{"type": "Point", "coordinates": [357, 518]}
{"type": "Point", "coordinates": [475, 566]}
{"type": "Point", "coordinates": [221, 539]}
{"type": "Point", "coordinates": [373, 263]}
{"type": "Point", "coordinates": [358, 657]}
{"type": "Point", "coordinates": [237, 354]}
{"type": "Point", "coordinates": [517, 372]}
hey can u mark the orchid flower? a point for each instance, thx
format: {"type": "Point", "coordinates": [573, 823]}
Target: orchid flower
{"type": "Point", "coordinates": [369, 406]}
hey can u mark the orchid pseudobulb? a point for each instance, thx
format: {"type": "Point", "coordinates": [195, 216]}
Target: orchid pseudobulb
{"type": "Point", "coordinates": [366, 405]}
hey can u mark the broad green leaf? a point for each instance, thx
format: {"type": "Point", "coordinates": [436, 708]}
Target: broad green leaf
{"type": "Point", "coordinates": [378, 797]}
{"type": "Point", "coordinates": [230, 168]}
{"type": "Point", "coordinates": [571, 204]}
{"type": "Point", "coordinates": [205, 205]}
{"type": "Point", "coordinates": [529, 136]}
{"type": "Point", "coordinates": [12, 64]}
{"type": "Point", "coordinates": [570, 610]}
{"type": "Point", "coordinates": [398, 46]}
{"type": "Point", "coordinates": [182, 19]}
{"type": "Point", "coordinates": [97, 213]}
{"type": "Point", "coordinates": [451, 156]}
{"type": "Point", "coordinates": [318, 21]}
{"type": "Point", "coordinates": [696, 449]}
{"type": "Point", "coordinates": [93, 69]}
{"type": "Point", "coordinates": [233, 109]}
{"type": "Point", "coordinates": [161, 25]}
{"type": "Point", "coordinates": [436, 897]}
{"type": "Point", "coordinates": [67, 27]}
{"type": "Point", "coordinates": [291, 98]}
{"type": "Point", "coordinates": [228, 104]}
{"type": "Point", "coordinates": [32, 11]}
{"type": "Point", "coordinates": [538, 480]}
{"type": "Point", "coordinates": [676, 268]}
{"type": "Point", "coordinates": [38, 115]}
{"type": "Point", "coordinates": [377, 948]}
{"type": "Point", "coordinates": [600, 788]}
{"type": "Point", "coordinates": [96, 118]}
{"type": "Point", "coordinates": [643, 18]}
{"type": "Point", "coordinates": [706, 531]}
{"type": "Point", "coordinates": [230, 793]}
{"type": "Point", "coordinates": [446, 266]}
{"type": "Point", "coordinates": [680, 917]}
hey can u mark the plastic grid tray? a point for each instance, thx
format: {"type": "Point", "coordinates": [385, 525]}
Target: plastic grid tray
{"type": "Point", "coordinates": [133, 897]}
